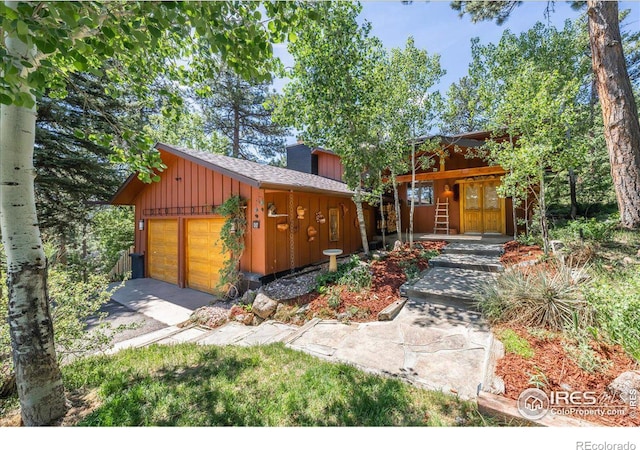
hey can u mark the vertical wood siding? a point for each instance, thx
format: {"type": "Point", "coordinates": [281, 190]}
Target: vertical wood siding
{"type": "Point", "coordinates": [329, 166]}
{"type": "Point", "coordinates": [278, 244]}
{"type": "Point", "coordinates": [185, 184]}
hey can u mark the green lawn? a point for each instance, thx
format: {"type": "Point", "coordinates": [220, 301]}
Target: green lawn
{"type": "Point", "coordinates": [191, 385]}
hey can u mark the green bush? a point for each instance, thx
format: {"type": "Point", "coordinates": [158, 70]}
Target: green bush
{"type": "Point", "coordinates": [616, 302]}
{"type": "Point", "coordinates": [592, 229]}
{"type": "Point", "coordinates": [539, 296]}
{"type": "Point", "coordinates": [353, 274]}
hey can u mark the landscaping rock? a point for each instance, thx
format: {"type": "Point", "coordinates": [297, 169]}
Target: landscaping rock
{"type": "Point", "coordinates": [292, 286]}
{"type": "Point", "coordinates": [303, 309]}
{"type": "Point", "coordinates": [397, 246]}
{"type": "Point", "coordinates": [248, 319]}
{"type": "Point", "coordinates": [248, 297]}
{"type": "Point", "coordinates": [208, 316]}
{"type": "Point", "coordinates": [624, 383]}
{"type": "Point", "coordinates": [257, 320]}
{"type": "Point", "coordinates": [264, 306]}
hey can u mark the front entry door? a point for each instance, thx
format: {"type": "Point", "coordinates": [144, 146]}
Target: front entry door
{"type": "Point", "coordinates": [482, 209]}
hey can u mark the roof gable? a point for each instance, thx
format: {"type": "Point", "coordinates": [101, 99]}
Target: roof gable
{"type": "Point", "coordinates": [254, 174]}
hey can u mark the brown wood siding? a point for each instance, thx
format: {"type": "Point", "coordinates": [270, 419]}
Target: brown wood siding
{"type": "Point", "coordinates": [185, 184]}
{"type": "Point", "coordinates": [278, 244]}
{"type": "Point", "coordinates": [329, 166]}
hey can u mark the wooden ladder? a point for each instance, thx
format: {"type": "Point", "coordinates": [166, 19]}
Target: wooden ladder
{"type": "Point", "coordinates": [442, 216]}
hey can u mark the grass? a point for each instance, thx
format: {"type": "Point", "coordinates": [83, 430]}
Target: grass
{"type": "Point", "coordinates": [192, 385]}
{"type": "Point", "coordinates": [514, 343]}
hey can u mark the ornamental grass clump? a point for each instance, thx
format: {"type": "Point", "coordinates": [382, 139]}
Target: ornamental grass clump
{"type": "Point", "coordinates": [546, 295]}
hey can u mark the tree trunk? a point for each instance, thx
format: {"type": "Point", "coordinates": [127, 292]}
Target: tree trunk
{"type": "Point", "coordinates": [619, 112]}
{"type": "Point", "coordinates": [357, 199]}
{"type": "Point", "coordinates": [38, 377]}
{"type": "Point", "coordinates": [573, 195]}
{"type": "Point", "coordinates": [396, 201]}
{"type": "Point", "coordinates": [236, 132]}
{"type": "Point", "coordinates": [542, 208]}
{"type": "Point", "coordinates": [383, 222]}
{"type": "Point", "coordinates": [413, 192]}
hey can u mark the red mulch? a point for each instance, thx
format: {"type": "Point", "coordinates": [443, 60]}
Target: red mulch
{"type": "Point", "coordinates": [387, 277]}
{"type": "Point", "coordinates": [552, 361]}
{"type": "Point", "coordinates": [515, 253]}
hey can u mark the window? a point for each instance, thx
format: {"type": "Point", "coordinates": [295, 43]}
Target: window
{"type": "Point", "coordinates": [423, 193]}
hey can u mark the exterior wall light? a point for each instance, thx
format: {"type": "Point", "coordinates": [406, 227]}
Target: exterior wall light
{"type": "Point", "coordinates": [141, 224]}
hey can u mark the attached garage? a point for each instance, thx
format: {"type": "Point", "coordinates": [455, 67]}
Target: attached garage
{"type": "Point", "coordinates": [162, 250]}
{"type": "Point", "coordinates": [204, 253]}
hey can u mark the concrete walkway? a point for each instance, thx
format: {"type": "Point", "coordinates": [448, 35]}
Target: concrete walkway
{"type": "Point", "coordinates": [435, 341]}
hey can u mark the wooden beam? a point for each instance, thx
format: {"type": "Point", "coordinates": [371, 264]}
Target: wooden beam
{"type": "Point", "coordinates": [457, 173]}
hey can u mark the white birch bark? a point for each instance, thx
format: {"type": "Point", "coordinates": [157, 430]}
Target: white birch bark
{"type": "Point", "coordinates": [357, 199]}
{"type": "Point", "coordinates": [38, 378]}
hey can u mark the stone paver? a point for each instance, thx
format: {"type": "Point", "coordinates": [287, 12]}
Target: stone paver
{"type": "Point", "coordinates": [475, 248]}
{"type": "Point", "coordinates": [448, 285]}
{"type": "Point", "coordinates": [470, 262]}
{"type": "Point", "coordinates": [431, 342]}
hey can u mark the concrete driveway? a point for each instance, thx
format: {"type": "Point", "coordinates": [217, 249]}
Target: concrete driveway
{"type": "Point", "coordinates": [118, 315]}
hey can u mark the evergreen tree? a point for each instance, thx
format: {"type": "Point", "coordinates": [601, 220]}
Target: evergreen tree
{"type": "Point", "coordinates": [74, 172]}
{"type": "Point", "coordinates": [235, 108]}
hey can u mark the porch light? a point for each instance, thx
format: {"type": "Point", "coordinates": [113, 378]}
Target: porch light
{"type": "Point", "coordinates": [447, 188]}
{"type": "Point", "coordinates": [141, 224]}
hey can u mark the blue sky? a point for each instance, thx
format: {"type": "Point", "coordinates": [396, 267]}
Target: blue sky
{"type": "Point", "coordinates": [437, 28]}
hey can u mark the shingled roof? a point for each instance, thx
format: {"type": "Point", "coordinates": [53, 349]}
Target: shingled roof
{"type": "Point", "coordinates": [252, 173]}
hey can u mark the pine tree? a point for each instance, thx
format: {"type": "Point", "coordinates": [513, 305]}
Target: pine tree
{"type": "Point", "coordinates": [235, 108]}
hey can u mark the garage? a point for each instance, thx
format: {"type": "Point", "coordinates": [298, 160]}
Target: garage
{"type": "Point", "coordinates": [163, 250]}
{"type": "Point", "coordinates": [204, 254]}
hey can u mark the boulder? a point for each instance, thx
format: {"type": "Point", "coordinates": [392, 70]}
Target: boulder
{"type": "Point", "coordinates": [257, 320]}
{"type": "Point", "coordinates": [624, 383]}
{"type": "Point", "coordinates": [263, 306]}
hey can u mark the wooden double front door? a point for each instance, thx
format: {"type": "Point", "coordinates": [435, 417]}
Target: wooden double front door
{"type": "Point", "coordinates": [481, 209]}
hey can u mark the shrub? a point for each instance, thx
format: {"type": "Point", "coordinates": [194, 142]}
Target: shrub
{"type": "Point", "coordinates": [411, 269]}
{"type": "Point", "coordinates": [353, 274]}
{"type": "Point", "coordinates": [592, 229]}
{"type": "Point", "coordinates": [538, 296]}
{"type": "Point", "coordinates": [617, 310]}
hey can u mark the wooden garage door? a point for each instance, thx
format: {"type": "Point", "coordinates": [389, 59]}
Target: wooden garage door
{"type": "Point", "coordinates": [204, 253]}
{"type": "Point", "coordinates": [162, 250]}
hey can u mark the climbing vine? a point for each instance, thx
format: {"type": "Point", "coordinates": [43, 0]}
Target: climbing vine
{"type": "Point", "coordinates": [232, 237]}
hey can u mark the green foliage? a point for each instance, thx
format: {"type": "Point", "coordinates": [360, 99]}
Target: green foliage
{"type": "Point", "coordinates": [145, 39]}
{"type": "Point", "coordinates": [113, 230]}
{"type": "Point", "coordinates": [240, 111]}
{"type": "Point", "coordinates": [515, 344]}
{"type": "Point", "coordinates": [354, 275]}
{"type": "Point", "coordinates": [462, 111]}
{"type": "Point", "coordinates": [539, 296]}
{"type": "Point", "coordinates": [592, 229]}
{"type": "Point", "coordinates": [73, 302]}
{"type": "Point", "coordinates": [185, 130]}
{"type": "Point", "coordinates": [411, 269]}
{"type": "Point", "coordinates": [616, 300]}
{"type": "Point", "coordinates": [194, 385]}
{"type": "Point", "coordinates": [534, 87]}
{"type": "Point", "coordinates": [232, 238]}
{"type": "Point", "coordinates": [333, 299]}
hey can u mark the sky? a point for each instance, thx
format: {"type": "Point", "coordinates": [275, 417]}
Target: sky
{"type": "Point", "coordinates": [437, 28]}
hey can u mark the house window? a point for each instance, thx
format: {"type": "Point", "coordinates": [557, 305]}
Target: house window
{"type": "Point", "coordinates": [422, 194]}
